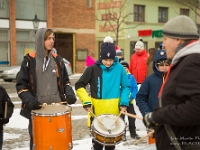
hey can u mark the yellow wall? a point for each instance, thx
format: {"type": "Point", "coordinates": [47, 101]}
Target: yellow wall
{"type": "Point", "coordinates": [151, 22]}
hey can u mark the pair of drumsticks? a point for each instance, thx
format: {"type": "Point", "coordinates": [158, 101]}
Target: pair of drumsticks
{"type": "Point", "coordinates": [130, 115]}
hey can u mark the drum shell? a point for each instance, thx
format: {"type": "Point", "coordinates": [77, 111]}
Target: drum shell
{"type": "Point", "coordinates": [106, 138]}
{"type": "Point", "coordinates": [52, 131]}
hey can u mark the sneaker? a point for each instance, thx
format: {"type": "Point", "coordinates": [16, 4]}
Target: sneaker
{"type": "Point", "coordinates": [135, 136]}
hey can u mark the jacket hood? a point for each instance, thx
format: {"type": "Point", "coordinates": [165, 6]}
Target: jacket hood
{"type": "Point", "coordinates": [186, 49]}
{"type": "Point", "coordinates": [159, 55]}
{"type": "Point", "coordinates": [39, 43]}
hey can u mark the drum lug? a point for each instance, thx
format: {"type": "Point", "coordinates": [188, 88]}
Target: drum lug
{"type": "Point", "coordinates": [33, 147]}
{"type": "Point", "coordinates": [69, 115]}
{"type": "Point", "coordinates": [49, 119]}
{"type": "Point", "coordinates": [50, 148]}
{"type": "Point", "coordinates": [70, 146]}
{"type": "Point", "coordinates": [61, 130]}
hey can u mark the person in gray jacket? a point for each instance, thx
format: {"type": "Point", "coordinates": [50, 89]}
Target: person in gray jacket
{"type": "Point", "coordinates": [43, 78]}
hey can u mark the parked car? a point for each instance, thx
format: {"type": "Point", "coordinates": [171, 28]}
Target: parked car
{"type": "Point", "coordinates": [10, 73]}
{"type": "Point", "coordinates": [68, 66]}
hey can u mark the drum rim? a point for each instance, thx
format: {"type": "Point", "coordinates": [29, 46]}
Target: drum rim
{"type": "Point", "coordinates": [46, 115]}
{"type": "Point", "coordinates": [113, 134]}
{"type": "Point", "coordinates": [121, 133]}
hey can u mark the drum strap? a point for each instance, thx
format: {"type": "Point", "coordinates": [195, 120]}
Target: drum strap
{"type": "Point", "coordinates": [170, 132]}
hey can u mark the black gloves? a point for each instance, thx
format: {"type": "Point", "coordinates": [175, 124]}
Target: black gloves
{"type": "Point", "coordinates": [70, 95]}
{"type": "Point", "coordinates": [4, 120]}
{"type": "Point", "coordinates": [31, 101]}
{"type": "Point", "coordinates": [148, 120]}
{"type": "Point", "coordinates": [34, 104]}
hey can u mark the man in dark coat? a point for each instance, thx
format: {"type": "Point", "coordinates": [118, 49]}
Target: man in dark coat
{"type": "Point", "coordinates": [176, 121]}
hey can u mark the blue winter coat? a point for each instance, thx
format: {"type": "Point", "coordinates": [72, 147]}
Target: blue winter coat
{"type": "Point", "coordinates": [147, 97]}
{"type": "Point", "coordinates": [134, 87]}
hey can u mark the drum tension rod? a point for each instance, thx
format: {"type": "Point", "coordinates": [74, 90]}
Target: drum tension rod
{"type": "Point", "coordinates": [109, 131]}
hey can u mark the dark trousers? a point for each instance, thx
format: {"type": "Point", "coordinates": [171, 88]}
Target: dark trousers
{"type": "Point", "coordinates": [97, 146]}
{"type": "Point", "coordinates": [1, 136]}
{"type": "Point", "coordinates": [131, 120]}
{"type": "Point", "coordinates": [30, 134]}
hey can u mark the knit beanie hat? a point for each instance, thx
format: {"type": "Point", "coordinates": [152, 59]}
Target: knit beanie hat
{"type": "Point", "coordinates": [139, 45]}
{"type": "Point", "coordinates": [118, 51]}
{"type": "Point", "coordinates": [181, 27]}
{"type": "Point", "coordinates": [108, 49]}
{"type": "Point", "coordinates": [124, 63]}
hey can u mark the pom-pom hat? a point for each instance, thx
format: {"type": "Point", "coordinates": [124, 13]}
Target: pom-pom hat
{"type": "Point", "coordinates": [139, 45]}
{"type": "Point", "coordinates": [118, 51]}
{"type": "Point", "coordinates": [108, 49]}
{"type": "Point", "coordinates": [181, 27]}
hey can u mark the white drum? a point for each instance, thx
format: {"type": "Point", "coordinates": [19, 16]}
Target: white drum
{"type": "Point", "coordinates": [108, 134]}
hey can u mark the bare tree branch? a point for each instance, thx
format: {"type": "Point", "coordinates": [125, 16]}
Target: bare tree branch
{"type": "Point", "coordinates": [192, 4]}
{"type": "Point", "coordinates": [115, 18]}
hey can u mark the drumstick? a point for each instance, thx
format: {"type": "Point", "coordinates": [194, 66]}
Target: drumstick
{"type": "Point", "coordinates": [97, 119]}
{"type": "Point", "coordinates": [131, 115]}
{"type": "Point", "coordinates": [5, 111]}
{"type": "Point", "coordinates": [116, 119]}
{"type": "Point", "coordinates": [142, 138]}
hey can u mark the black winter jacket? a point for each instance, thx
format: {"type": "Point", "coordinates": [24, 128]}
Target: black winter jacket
{"type": "Point", "coordinates": [26, 82]}
{"type": "Point", "coordinates": [5, 101]}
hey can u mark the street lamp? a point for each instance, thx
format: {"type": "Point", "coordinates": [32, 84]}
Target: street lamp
{"type": "Point", "coordinates": [36, 22]}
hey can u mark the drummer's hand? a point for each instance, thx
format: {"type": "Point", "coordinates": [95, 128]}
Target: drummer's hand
{"type": "Point", "coordinates": [88, 109]}
{"type": "Point", "coordinates": [34, 104]}
{"type": "Point", "coordinates": [123, 109]}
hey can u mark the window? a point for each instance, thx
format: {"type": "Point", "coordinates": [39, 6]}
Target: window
{"type": "Point", "coordinates": [26, 10]}
{"type": "Point", "coordinates": [89, 3]}
{"type": "Point", "coordinates": [163, 14]}
{"type": "Point", "coordinates": [184, 11]}
{"type": "Point", "coordinates": [4, 46]}
{"type": "Point", "coordinates": [25, 43]}
{"type": "Point", "coordinates": [139, 13]}
{"type": "Point", "coordinates": [4, 9]}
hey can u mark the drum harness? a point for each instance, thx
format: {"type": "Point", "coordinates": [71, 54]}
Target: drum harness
{"type": "Point", "coordinates": [169, 131]}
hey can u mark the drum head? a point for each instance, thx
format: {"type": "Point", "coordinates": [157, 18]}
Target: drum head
{"type": "Point", "coordinates": [108, 120]}
{"type": "Point", "coordinates": [51, 110]}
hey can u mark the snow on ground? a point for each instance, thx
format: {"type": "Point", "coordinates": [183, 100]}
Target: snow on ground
{"type": "Point", "coordinates": [84, 144]}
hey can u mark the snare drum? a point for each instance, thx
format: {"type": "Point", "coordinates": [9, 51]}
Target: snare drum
{"type": "Point", "coordinates": [108, 134]}
{"type": "Point", "coordinates": [52, 128]}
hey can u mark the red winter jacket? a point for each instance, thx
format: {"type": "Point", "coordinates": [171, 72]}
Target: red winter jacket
{"type": "Point", "coordinates": [138, 66]}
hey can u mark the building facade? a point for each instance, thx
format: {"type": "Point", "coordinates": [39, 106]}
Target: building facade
{"type": "Point", "coordinates": [135, 19]}
{"type": "Point", "coordinates": [72, 21]}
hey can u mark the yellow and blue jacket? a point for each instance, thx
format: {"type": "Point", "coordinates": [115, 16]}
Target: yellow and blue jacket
{"type": "Point", "coordinates": [110, 88]}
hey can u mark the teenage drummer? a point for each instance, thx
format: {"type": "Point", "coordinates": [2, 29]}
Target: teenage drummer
{"type": "Point", "coordinates": [109, 86]}
{"type": "Point", "coordinates": [43, 77]}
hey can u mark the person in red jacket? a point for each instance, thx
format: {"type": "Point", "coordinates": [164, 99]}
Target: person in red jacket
{"type": "Point", "coordinates": [138, 66]}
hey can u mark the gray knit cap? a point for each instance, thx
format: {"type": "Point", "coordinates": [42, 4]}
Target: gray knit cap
{"type": "Point", "coordinates": [181, 27]}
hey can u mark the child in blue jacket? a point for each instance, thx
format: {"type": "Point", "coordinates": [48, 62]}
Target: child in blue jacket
{"type": "Point", "coordinates": [130, 109]}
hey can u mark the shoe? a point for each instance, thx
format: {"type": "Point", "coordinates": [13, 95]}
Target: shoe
{"type": "Point", "coordinates": [135, 136]}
